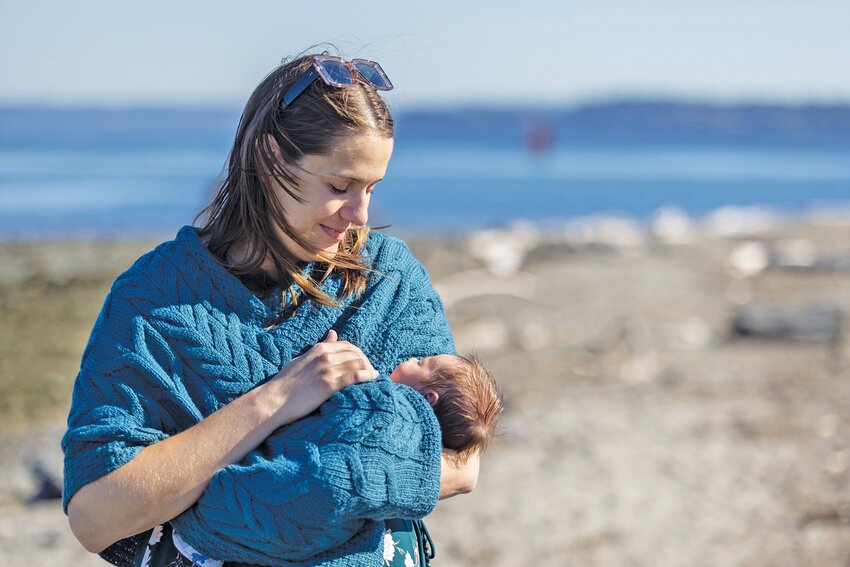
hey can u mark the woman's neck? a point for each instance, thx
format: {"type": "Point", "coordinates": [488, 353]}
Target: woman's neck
{"type": "Point", "coordinates": [238, 253]}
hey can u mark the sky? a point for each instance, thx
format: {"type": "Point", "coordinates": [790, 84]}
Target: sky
{"type": "Point", "coordinates": [439, 53]}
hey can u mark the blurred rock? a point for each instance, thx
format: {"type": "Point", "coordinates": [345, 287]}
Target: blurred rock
{"type": "Point", "coordinates": [672, 225]}
{"type": "Point", "coordinates": [503, 251]}
{"type": "Point", "coordinates": [813, 324]}
{"type": "Point", "coordinates": [794, 253]}
{"type": "Point", "coordinates": [748, 259]}
{"type": "Point", "coordinates": [616, 232]}
{"type": "Point", "coordinates": [741, 221]}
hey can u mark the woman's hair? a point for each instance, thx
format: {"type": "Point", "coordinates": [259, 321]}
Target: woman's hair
{"type": "Point", "coordinates": [469, 405]}
{"type": "Point", "coordinates": [269, 142]}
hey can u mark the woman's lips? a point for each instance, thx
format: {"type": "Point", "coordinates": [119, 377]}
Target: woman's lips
{"type": "Point", "coordinates": [333, 233]}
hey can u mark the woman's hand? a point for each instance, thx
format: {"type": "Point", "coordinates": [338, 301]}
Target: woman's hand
{"type": "Point", "coordinates": [310, 379]}
{"type": "Point", "coordinates": [457, 476]}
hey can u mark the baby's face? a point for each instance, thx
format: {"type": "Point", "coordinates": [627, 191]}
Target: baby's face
{"type": "Point", "coordinates": [415, 371]}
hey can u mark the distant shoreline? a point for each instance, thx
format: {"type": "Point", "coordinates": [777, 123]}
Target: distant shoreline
{"type": "Point", "coordinates": [626, 121]}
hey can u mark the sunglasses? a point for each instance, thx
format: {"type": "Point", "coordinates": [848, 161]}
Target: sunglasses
{"type": "Point", "coordinates": [337, 72]}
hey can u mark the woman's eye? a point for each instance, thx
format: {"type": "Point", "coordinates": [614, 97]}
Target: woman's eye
{"type": "Point", "coordinates": [336, 190]}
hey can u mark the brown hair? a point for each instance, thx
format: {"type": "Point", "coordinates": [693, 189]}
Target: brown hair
{"type": "Point", "coordinates": [245, 210]}
{"type": "Point", "coordinates": [468, 406]}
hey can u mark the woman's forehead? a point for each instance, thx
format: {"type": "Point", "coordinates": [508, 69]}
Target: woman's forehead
{"type": "Point", "coordinates": [359, 158]}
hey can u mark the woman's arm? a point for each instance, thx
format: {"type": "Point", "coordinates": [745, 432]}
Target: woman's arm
{"type": "Point", "coordinates": [456, 476]}
{"type": "Point", "coordinates": [322, 485]}
{"type": "Point", "coordinates": [167, 477]}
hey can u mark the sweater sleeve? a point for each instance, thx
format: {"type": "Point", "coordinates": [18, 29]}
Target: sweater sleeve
{"type": "Point", "coordinates": [153, 366]}
{"type": "Point", "coordinates": [113, 414]}
{"type": "Point", "coordinates": [316, 490]}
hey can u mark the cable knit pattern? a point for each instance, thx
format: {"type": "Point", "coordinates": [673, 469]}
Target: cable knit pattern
{"type": "Point", "coordinates": [180, 337]}
{"type": "Point", "coordinates": [372, 452]}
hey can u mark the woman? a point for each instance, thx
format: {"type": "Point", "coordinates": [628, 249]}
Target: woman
{"type": "Point", "coordinates": [213, 341]}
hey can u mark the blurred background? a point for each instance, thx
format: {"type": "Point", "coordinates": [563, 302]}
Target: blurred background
{"type": "Point", "coordinates": [638, 215]}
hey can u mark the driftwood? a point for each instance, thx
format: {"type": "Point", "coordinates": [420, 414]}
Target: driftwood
{"type": "Point", "coordinates": [821, 323]}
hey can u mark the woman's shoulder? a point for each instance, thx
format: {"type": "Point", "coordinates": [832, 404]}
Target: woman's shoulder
{"type": "Point", "coordinates": [148, 266]}
{"type": "Point", "coordinates": [387, 252]}
{"type": "Point", "coordinates": [166, 270]}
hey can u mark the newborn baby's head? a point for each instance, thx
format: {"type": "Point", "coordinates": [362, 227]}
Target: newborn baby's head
{"type": "Point", "coordinates": [463, 394]}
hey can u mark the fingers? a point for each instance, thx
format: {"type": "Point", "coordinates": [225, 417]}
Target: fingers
{"type": "Point", "coordinates": [336, 351]}
{"type": "Point", "coordinates": [364, 376]}
{"type": "Point", "coordinates": [334, 345]}
{"type": "Point", "coordinates": [328, 367]}
{"type": "Point", "coordinates": [352, 358]}
{"type": "Point", "coordinates": [325, 355]}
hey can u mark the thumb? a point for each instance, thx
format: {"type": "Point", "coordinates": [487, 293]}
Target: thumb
{"type": "Point", "coordinates": [332, 337]}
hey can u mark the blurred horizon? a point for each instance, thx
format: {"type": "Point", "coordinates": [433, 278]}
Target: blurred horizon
{"type": "Point", "coordinates": [527, 105]}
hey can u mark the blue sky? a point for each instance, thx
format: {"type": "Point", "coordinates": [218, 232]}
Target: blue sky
{"type": "Point", "coordinates": [437, 53]}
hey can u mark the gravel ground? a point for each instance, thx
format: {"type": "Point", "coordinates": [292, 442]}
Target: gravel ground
{"type": "Point", "coordinates": [637, 432]}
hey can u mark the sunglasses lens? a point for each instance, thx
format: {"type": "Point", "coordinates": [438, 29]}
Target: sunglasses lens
{"type": "Point", "coordinates": [337, 72]}
{"type": "Point", "coordinates": [371, 73]}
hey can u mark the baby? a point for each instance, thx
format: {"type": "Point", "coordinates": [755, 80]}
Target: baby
{"type": "Point", "coordinates": [464, 397]}
{"type": "Point", "coordinates": [462, 393]}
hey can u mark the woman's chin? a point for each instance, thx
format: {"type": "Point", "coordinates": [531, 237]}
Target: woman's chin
{"type": "Point", "coordinates": [325, 254]}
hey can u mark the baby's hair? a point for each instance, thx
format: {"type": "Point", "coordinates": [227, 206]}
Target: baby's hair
{"type": "Point", "coordinates": [468, 406]}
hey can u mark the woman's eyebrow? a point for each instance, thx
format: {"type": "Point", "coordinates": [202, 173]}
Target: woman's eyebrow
{"type": "Point", "coordinates": [353, 179]}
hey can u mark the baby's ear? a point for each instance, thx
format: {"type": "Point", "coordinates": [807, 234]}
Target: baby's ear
{"type": "Point", "coordinates": [431, 395]}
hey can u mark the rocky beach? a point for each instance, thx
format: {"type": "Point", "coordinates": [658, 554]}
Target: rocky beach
{"type": "Point", "coordinates": [675, 392]}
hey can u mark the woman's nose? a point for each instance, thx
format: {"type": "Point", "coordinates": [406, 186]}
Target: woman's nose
{"type": "Point", "coordinates": [356, 209]}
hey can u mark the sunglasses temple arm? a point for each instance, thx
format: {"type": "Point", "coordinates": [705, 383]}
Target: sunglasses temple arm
{"type": "Point", "coordinates": [299, 87]}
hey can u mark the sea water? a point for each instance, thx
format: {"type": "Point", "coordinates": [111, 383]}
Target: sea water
{"type": "Point", "coordinates": [131, 184]}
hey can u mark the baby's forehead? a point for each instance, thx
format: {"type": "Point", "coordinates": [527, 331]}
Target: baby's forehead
{"type": "Point", "coordinates": [446, 360]}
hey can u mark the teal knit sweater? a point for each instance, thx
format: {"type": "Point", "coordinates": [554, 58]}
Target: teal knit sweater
{"type": "Point", "coordinates": [180, 337]}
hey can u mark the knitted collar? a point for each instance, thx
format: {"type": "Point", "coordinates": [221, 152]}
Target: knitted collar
{"type": "Point", "coordinates": [233, 293]}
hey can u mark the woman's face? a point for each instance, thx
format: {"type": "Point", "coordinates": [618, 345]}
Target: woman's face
{"type": "Point", "coordinates": [336, 188]}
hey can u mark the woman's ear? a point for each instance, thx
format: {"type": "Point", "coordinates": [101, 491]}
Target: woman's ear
{"type": "Point", "coordinates": [432, 395]}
